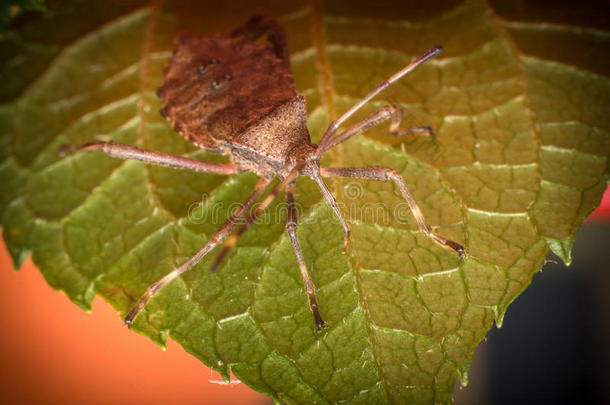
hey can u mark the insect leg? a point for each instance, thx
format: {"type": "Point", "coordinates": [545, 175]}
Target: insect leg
{"type": "Point", "coordinates": [385, 174]}
{"type": "Point", "coordinates": [330, 200]}
{"type": "Point", "coordinates": [244, 227]}
{"type": "Point", "coordinates": [390, 112]}
{"type": "Point", "coordinates": [226, 249]}
{"type": "Point", "coordinates": [291, 228]}
{"type": "Point", "coordinates": [334, 126]}
{"type": "Point", "coordinates": [232, 241]}
{"type": "Point", "coordinates": [120, 151]}
{"type": "Point", "coordinates": [219, 236]}
{"type": "Point", "coordinates": [259, 25]}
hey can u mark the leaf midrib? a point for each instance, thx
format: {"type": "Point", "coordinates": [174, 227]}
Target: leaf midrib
{"type": "Point", "coordinates": [328, 99]}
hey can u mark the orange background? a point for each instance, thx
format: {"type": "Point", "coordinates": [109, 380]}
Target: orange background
{"type": "Point", "coordinates": [52, 352]}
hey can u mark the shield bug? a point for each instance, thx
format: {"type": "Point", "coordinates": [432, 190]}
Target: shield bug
{"type": "Point", "coordinates": [231, 95]}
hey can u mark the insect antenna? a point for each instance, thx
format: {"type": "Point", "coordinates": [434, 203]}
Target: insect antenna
{"type": "Point", "coordinates": [323, 146]}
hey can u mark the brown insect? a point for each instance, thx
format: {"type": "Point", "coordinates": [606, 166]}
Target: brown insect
{"type": "Point", "coordinates": [230, 95]}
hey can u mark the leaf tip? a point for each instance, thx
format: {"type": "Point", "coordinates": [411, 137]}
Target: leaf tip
{"type": "Point", "coordinates": [499, 313]}
{"type": "Point", "coordinates": [463, 375]}
{"type": "Point", "coordinates": [19, 256]}
{"type": "Point", "coordinates": [562, 248]}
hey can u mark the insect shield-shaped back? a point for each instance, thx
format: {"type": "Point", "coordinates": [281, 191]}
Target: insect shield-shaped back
{"type": "Point", "coordinates": [217, 88]}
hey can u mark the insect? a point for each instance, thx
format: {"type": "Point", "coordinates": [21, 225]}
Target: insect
{"type": "Point", "coordinates": [231, 95]}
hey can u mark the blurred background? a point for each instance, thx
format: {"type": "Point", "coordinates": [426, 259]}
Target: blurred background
{"type": "Point", "coordinates": [554, 346]}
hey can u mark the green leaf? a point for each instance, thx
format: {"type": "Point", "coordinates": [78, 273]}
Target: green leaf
{"type": "Point", "coordinates": [519, 158]}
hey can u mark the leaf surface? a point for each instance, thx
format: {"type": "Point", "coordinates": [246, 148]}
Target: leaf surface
{"type": "Point", "coordinates": [519, 158]}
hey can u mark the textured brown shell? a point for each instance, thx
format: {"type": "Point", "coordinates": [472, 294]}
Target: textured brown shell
{"type": "Point", "coordinates": [218, 87]}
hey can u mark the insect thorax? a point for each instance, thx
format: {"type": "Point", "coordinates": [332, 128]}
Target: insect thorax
{"type": "Point", "coordinates": [273, 145]}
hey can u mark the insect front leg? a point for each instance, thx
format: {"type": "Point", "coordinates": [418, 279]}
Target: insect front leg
{"type": "Point", "coordinates": [126, 152]}
{"type": "Point", "coordinates": [291, 228]}
{"type": "Point", "coordinates": [385, 174]}
{"type": "Point", "coordinates": [390, 112]}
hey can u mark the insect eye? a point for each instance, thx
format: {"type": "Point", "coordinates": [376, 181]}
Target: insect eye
{"type": "Point", "coordinates": [214, 61]}
{"type": "Point", "coordinates": [227, 77]}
